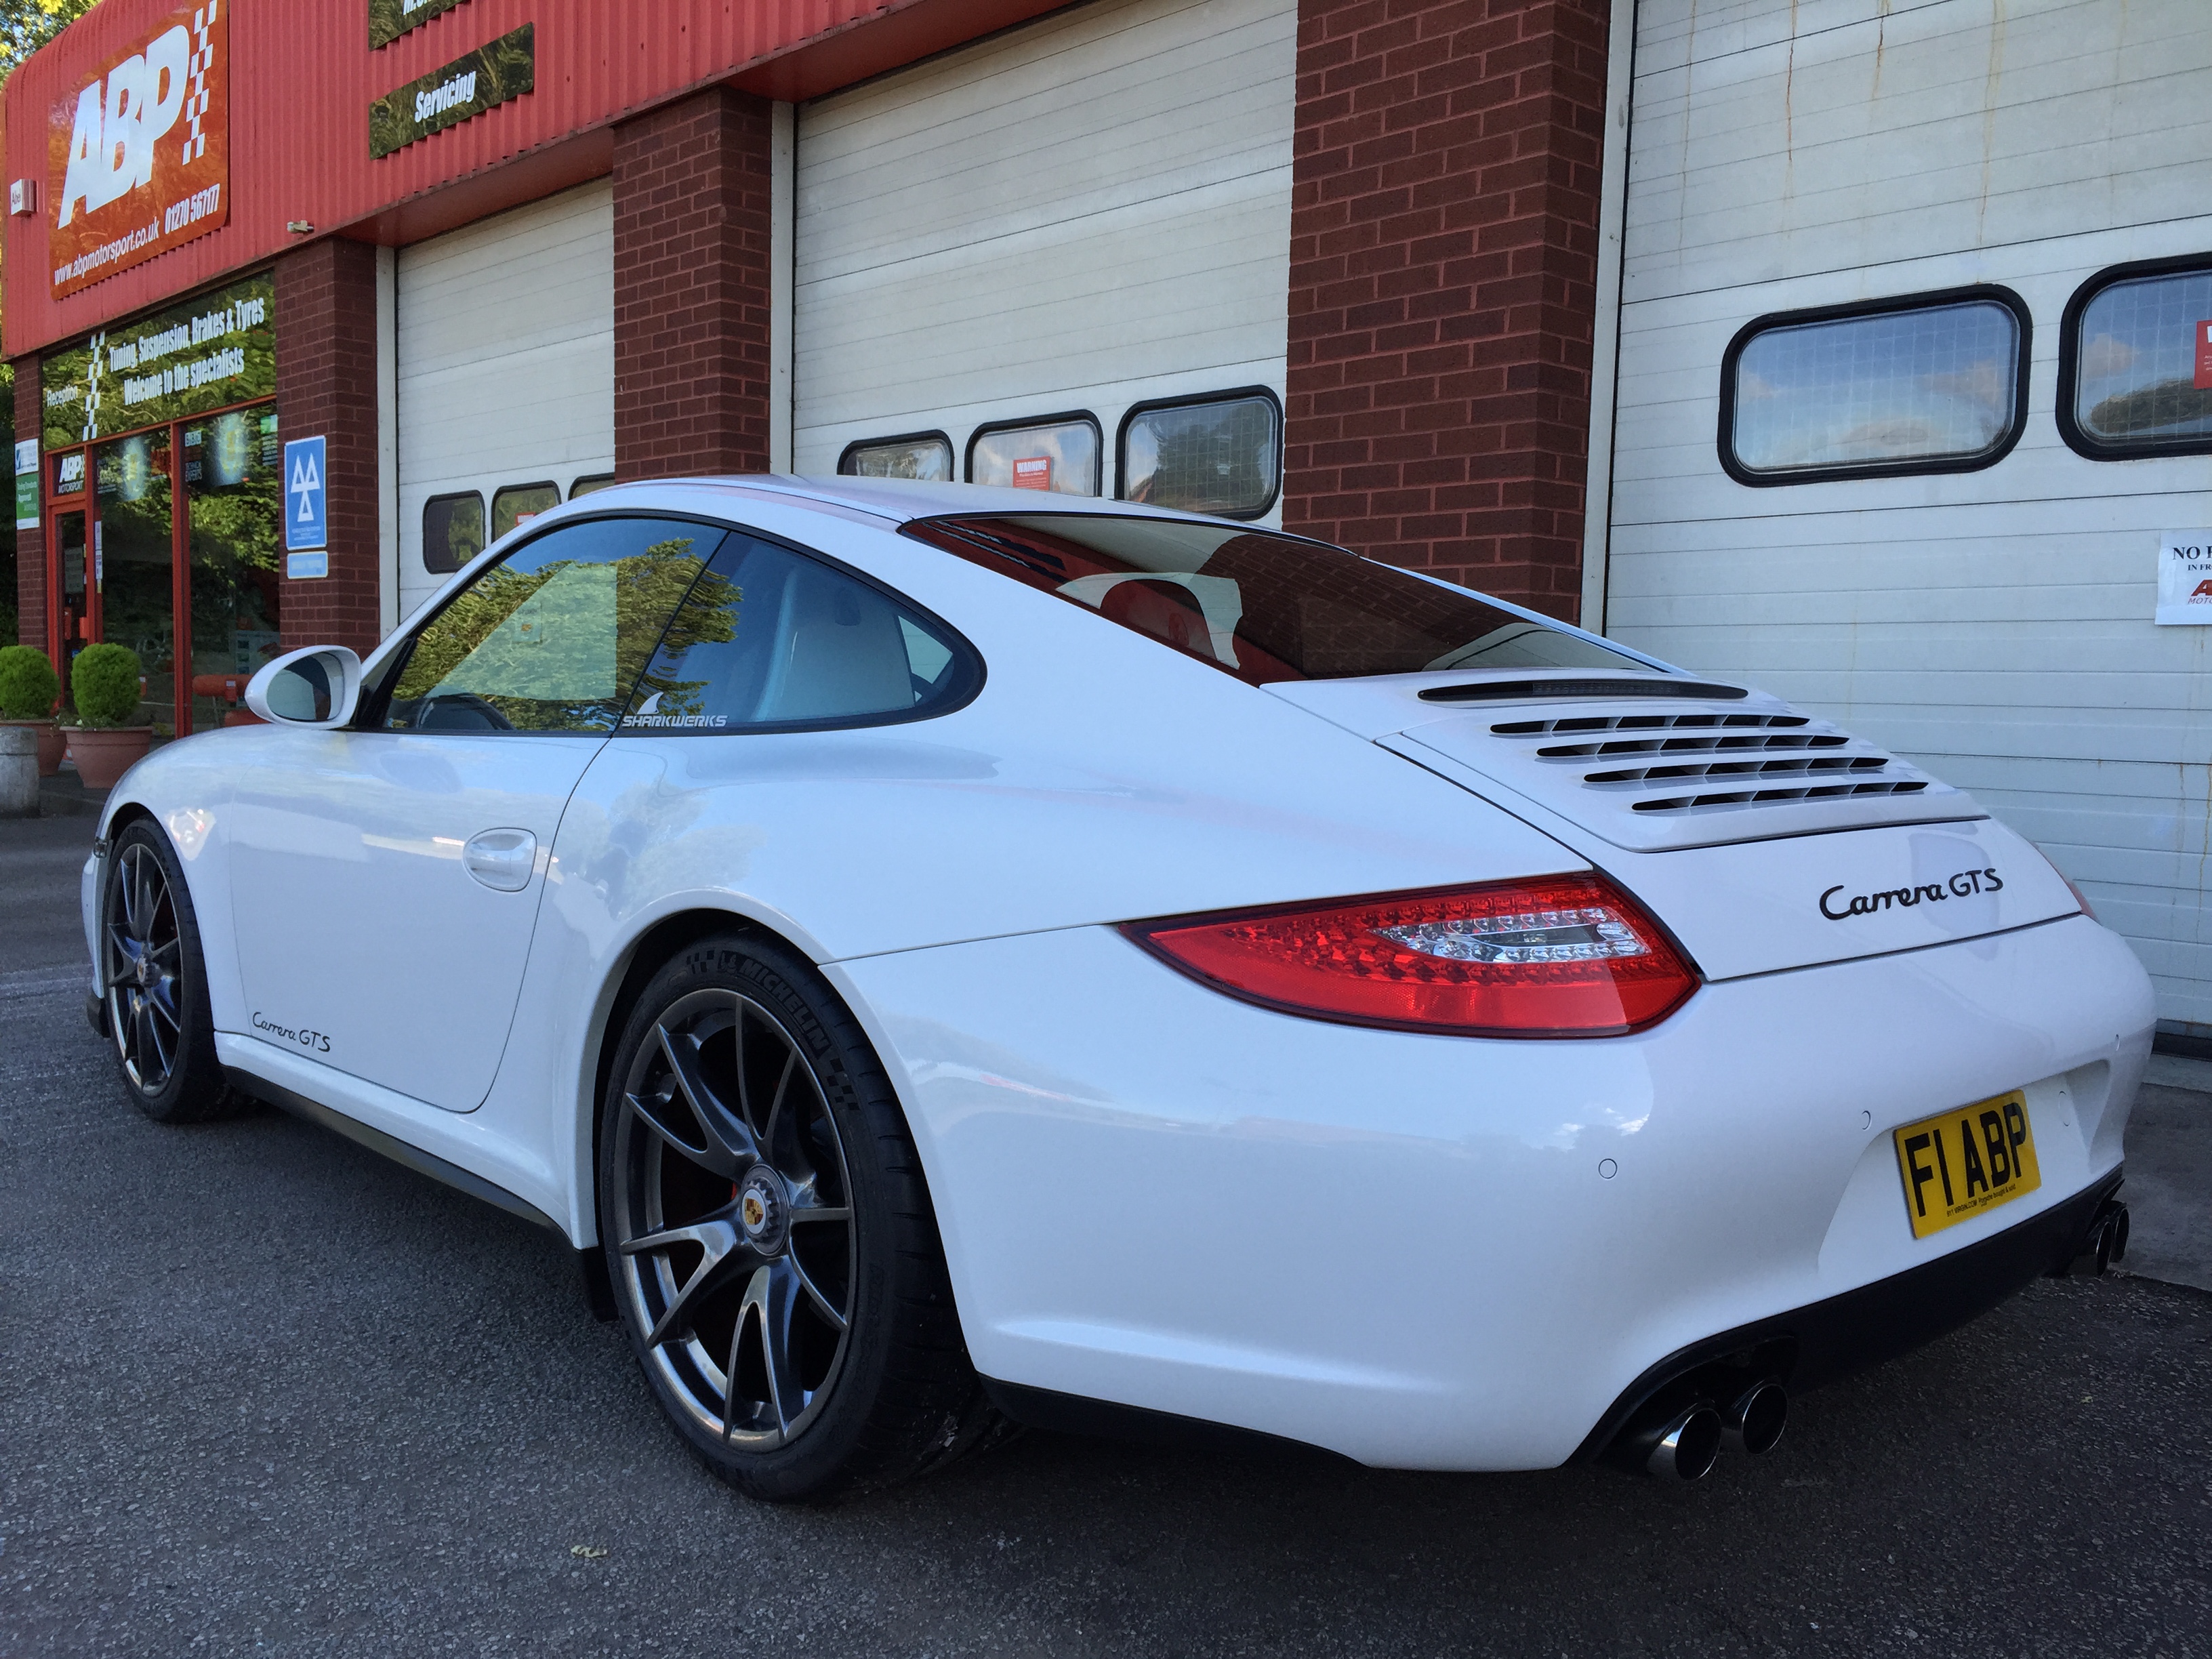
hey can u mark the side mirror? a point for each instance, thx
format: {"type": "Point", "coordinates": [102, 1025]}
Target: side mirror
{"type": "Point", "coordinates": [318, 687]}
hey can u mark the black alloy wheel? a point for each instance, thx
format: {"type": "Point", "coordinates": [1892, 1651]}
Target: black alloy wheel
{"type": "Point", "coordinates": [770, 1236]}
{"type": "Point", "coordinates": [154, 980]}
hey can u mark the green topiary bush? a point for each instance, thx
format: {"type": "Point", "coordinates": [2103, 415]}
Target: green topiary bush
{"type": "Point", "coordinates": [104, 680]}
{"type": "Point", "coordinates": [29, 684]}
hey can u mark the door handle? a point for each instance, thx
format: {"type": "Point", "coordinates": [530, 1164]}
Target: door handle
{"type": "Point", "coordinates": [502, 859]}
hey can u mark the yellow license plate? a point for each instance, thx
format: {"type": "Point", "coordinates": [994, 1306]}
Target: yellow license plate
{"type": "Point", "coordinates": [1962, 1161]}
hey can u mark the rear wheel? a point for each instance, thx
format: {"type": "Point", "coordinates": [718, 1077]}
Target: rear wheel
{"type": "Point", "coordinates": [769, 1235]}
{"type": "Point", "coordinates": [154, 984]}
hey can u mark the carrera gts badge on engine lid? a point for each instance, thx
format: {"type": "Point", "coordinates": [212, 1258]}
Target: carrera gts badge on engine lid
{"type": "Point", "coordinates": [1965, 884]}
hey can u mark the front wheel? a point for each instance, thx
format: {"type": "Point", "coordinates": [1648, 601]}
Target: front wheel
{"type": "Point", "coordinates": [154, 980]}
{"type": "Point", "coordinates": [770, 1237]}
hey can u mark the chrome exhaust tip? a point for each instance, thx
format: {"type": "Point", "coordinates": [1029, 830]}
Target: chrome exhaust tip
{"type": "Point", "coordinates": [1688, 1445]}
{"type": "Point", "coordinates": [1754, 1420]}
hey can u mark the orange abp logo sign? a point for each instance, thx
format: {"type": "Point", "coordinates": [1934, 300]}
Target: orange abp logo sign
{"type": "Point", "coordinates": [139, 161]}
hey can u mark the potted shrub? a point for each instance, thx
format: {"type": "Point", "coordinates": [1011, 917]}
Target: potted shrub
{"type": "Point", "coordinates": [104, 684]}
{"type": "Point", "coordinates": [29, 688]}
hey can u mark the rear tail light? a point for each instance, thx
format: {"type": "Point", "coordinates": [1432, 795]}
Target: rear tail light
{"type": "Point", "coordinates": [1559, 955]}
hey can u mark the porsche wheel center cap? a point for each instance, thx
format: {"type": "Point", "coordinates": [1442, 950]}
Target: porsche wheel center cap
{"type": "Point", "coordinates": [764, 1210]}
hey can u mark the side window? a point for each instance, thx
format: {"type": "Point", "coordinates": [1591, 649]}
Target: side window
{"type": "Point", "coordinates": [588, 483]}
{"type": "Point", "coordinates": [772, 639]}
{"type": "Point", "coordinates": [1929, 383]}
{"type": "Point", "coordinates": [924, 455]}
{"type": "Point", "coordinates": [514, 504]}
{"type": "Point", "coordinates": [550, 638]}
{"type": "Point", "coordinates": [2135, 363]}
{"type": "Point", "coordinates": [1220, 454]}
{"type": "Point", "coordinates": [452, 531]}
{"type": "Point", "coordinates": [1058, 452]}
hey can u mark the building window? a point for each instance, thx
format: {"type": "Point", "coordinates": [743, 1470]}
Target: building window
{"type": "Point", "coordinates": [514, 504]}
{"type": "Point", "coordinates": [1220, 455]}
{"type": "Point", "coordinates": [588, 483]}
{"type": "Point", "coordinates": [924, 455]}
{"type": "Point", "coordinates": [1058, 452]}
{"type": "Point", "coordinates": [2135, 361]}
{"type": "Point", "coordinates": [1929, 383]}
{"type": "Point", "coordinates": [452, 531]}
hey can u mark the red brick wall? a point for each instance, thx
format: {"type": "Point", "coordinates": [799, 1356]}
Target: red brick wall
{"type": "Point", "coordinates": [1443, 268]}
{"type": "Point", "coordinates": [327, 383]}
{"type": "Point", "coordinates": [30, 545]}
{"type": "Point", "coordinates": [691, 185]}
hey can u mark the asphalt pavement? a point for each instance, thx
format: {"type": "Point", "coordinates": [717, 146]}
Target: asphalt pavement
{"type": "Point", "coordinates": [263, 1392]}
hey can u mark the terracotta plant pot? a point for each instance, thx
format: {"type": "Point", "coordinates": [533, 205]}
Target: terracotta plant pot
{"type": "Point", "coordinates": [104, 754]}
{"type": "Point", "coordinates": [52, 744]}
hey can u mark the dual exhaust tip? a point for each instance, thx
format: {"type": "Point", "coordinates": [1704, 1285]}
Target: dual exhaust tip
{"type": "Point", "coordinates": [1684, 1447]}
{"type": "Point", "coordinates": [2105, 1243]}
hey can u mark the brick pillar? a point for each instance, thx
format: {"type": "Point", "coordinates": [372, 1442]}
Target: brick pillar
{"type": "Point", "coordinates": [1444, 275]}
{"type": "Point", "coordinates": [691, 287]}
{"type": "Point", "coordinates": [31, 618]}
{"type": "Point", "coordinates": [327, 385]}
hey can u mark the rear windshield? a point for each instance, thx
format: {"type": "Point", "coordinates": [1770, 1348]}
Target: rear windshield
{"type": "Point", "coordinates": [1261, 607]}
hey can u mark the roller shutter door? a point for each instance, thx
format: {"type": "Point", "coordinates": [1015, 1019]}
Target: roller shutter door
{"type": "Point", "coordinates": [1994, 625]}
{"type": "Point", "coordinates": [1078, 215]}
{"type": "Point", "coordinates": [506, 361]}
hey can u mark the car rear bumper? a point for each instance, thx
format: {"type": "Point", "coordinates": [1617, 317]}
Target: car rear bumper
{"type": "Point", "coordinates": [1839, 1336]}
{"type": "Point", "coordinates": [1459, 1253]}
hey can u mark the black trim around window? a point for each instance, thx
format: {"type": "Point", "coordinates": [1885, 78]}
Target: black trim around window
{"type": "Point", "coordinates": [1985, 293]}
{"type": "Point", "coordinates": [859, 444]}
{"type": "Point", "coordinates": [2082, 442]}
{"type": "Point", "coordinates": [1199, 401]}
{"type": "Point", "coordinates": [1070, 417]}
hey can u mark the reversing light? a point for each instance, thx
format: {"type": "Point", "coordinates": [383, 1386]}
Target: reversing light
{"type": "Point", "coordinates": [1555, 956]}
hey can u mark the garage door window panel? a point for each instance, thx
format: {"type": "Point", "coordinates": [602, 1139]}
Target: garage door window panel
{"type": "Point", "coordinates": [1262, 606]}
{"type": "Point", "coordinates": [1934, 383]}
{"type": "Point", "coordinates": [518, 504]}
{"type": "Point", "coordinates": [552, 638]}
{"type": "Point", "coordinates": [772, 639]}
{"type": "Point", "coordinates": [927, 456]}
{"type": "Point", "coordinates": [1221, 454]}
{"type": "Point", "coordinates": [1057, 454]}
{"type": "Point", "coordinates": [2135, 363]}
{"type": "Point", "coordinates": [452, 531]}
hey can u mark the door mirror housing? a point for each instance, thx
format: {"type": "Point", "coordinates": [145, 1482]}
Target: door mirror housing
{"type": "Point", "coordinates": [317, 687]}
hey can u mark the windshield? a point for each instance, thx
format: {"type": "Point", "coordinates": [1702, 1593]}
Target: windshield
{"type": "Point", "coordinates": [1259, 605]}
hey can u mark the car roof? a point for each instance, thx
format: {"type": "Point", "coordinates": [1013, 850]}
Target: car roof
{"type": "Point", "coordinates": [899, 500]}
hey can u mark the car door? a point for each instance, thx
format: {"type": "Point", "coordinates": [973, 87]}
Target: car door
{"type": "Point", "coordinates": [386, 877]}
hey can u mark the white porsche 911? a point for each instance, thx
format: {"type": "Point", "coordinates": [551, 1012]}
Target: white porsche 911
{"type": "Point", "coordinates": [943, 956]}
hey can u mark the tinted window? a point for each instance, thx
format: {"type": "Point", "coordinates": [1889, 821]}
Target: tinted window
{"type": "Point", "coordinates": [928, 456]}
{"type": "Point", "coordinates": [2138, 366]}
{"type": "Point", "coordinates": [1060, 454]}
{"type": "Point", "coordinates": [1258, 605]}
{"type": "Point", "coordinates": [452, 531]}
{"type": "Point", "coordinates": [552, 638]}
{"type": "Point", "coordinates": [769, 638]}
{"type": "Point", "coordinates": [1219, 456]}
{"type": "Point", "coordinates": [514, 504]}
{"type": "Point", "coordinates": [1917, 388]}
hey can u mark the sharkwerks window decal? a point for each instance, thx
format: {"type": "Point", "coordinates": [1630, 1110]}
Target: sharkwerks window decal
{"type": "Point", "coordinates": [139, 159]}
{"type": "Point", "coordinates": [472, 83]}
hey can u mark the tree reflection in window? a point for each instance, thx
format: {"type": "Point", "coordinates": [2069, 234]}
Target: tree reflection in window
{"type": "Point", "coordinates": [552, 639]}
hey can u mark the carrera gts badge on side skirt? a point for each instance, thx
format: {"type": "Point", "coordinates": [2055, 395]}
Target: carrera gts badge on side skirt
{"type": "Point", "coordinates": [1965, 884]}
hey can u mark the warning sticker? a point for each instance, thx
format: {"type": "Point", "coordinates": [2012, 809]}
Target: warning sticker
{"type": "Point", "coordinates": [1033, 472]}
{"type": "Point", "coordinates": [2184, 577]}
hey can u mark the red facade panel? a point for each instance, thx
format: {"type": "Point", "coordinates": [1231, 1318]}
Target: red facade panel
{"type": "Point", "coordinates": [302, 76]}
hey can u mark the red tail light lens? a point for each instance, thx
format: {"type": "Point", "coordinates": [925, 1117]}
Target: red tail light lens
{"type": "Point", "coordinates": [1558, 956]}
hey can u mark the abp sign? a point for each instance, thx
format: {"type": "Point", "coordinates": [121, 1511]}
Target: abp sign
{"type": "Point", "coordinates": [139, 159]}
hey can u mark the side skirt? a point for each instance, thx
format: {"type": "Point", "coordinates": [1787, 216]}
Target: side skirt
{"type": "Point", "coordinates": [423, 1163]}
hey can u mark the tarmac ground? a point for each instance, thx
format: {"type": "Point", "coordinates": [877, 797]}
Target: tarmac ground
{"type": "Point", "coordinates": [264, 1392]}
